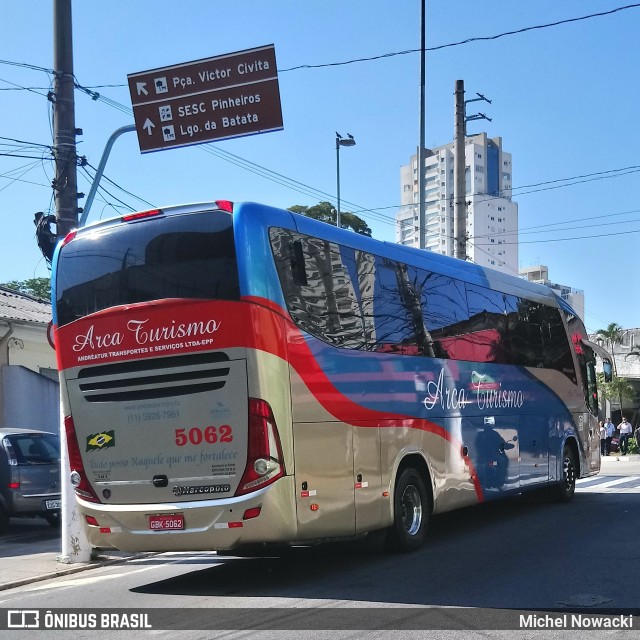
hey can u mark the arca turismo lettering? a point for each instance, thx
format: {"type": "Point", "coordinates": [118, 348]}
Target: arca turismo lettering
{"type": "Point", "coordinates": [450, 397]}
{"type": "Point", "coordinates": [144, 334]}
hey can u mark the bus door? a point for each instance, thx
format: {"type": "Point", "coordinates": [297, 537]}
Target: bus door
{"type": "Point", "coordinates": [533, 439]}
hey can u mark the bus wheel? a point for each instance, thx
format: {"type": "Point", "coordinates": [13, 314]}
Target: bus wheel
{"type": "Point", "coordinates": [410, 512]}
{"type": "Point", "coordinates": [567, 486]}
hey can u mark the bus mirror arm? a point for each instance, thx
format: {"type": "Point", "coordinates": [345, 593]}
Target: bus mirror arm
{"type": "Point", "coordinates": [606, 358]}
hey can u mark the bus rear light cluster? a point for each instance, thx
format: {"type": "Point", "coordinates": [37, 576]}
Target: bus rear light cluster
{"type": "Point", "coordinates": [140, 215]}
{"type": "Point", "coordinates": [249, 514]}
{"type": "Point", "coordinates": [264, 453]}
{"type": "Point", "coordinates": [78, 476]}
{"type": "Point", "coordinates": [225, 205]}
{"type": "Point", "coordinates": [92, 522]}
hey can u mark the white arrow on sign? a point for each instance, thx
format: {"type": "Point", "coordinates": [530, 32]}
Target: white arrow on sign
{"type": "Point", "coordinates": [149, 126]}
{"type": "Point", "coordinates": [140, 86]}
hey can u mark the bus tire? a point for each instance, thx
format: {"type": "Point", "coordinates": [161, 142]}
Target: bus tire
{"type": "Point", "coordinates": [567, 486]}
{"type": "Point", "coordinates": [410, 512]}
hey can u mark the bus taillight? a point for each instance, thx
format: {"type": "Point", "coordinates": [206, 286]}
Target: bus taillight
{"type": "Point", "coordinates": [225, 205]}
{"type": "Point", "coordinates": [79, 479]}
{"type": "Point", "coordinates": [140, 215]}
{"type": "Point", "coordinates": [264, 453]}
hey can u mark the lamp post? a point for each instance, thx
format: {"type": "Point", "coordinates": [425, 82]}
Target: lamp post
{"type": "Point", "coordinates": [349, 141]}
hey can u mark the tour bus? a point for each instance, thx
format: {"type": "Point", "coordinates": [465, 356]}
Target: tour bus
{"type": "Point", "coordinates": [237, 375]}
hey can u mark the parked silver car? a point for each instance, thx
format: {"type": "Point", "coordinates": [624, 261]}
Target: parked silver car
{"type": "Point", "coordinates": [29, 475]}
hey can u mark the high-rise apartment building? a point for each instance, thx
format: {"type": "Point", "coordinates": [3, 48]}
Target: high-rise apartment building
{"type": "Point", "coordinates": [492, 217]}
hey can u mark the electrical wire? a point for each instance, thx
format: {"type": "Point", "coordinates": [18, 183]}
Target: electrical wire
{"type": "Point", "coordinates": [374, 213]}
{"type": "Point", "coordinates": [463, 42]}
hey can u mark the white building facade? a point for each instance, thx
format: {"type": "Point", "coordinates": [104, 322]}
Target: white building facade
{"type": "Point", "coordinates": [29, 389]}
{"type": "Point", "coordinates": [540, 274]}
{"type": "Point", "coordinates": [492, 217]}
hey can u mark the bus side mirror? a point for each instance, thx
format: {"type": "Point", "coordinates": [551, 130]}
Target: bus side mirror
{"type": "Point", "coordinates": [606, 368]}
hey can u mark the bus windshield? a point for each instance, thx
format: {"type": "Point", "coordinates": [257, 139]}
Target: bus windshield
{"type": "Point", "coordinates": [177, 256]}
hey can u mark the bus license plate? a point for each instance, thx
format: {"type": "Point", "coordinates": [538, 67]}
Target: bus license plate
{"type": "Point", "coordinates": [53, 504]}
{"type": "Point", "coordinates": [166, 522]}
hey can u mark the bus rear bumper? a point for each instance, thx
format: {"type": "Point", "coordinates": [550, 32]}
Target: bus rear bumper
{"type": "Point", "coordinates": [267, 515]}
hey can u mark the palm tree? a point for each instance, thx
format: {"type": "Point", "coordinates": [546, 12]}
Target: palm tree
{"type": "Point", "coordinates": [612, 336]}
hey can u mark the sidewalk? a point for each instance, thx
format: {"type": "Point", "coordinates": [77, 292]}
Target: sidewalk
{"type": "Point", "coordinates": [618, 457]}
{"type": "Point", "coordinates": [42, 564]}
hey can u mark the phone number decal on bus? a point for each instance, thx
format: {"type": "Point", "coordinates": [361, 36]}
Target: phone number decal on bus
{"type": "Point", "coordinates": [208, 435]}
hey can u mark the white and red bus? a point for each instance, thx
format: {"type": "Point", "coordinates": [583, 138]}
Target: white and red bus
{"type": "Point", "coordinates": [241, 375]}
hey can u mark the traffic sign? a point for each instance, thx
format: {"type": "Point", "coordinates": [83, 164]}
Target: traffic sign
{"type": "Point", "coordinates": [228, 96]}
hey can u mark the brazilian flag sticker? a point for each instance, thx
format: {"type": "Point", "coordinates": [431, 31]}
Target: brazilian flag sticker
{"type": "Point", "coordinates": [102, 440]}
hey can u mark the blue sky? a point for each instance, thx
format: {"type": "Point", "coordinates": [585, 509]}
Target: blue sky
{"type": "Point", "coordinates": [564, 100]}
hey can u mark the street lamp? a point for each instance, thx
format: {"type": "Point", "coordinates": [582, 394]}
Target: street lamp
{"type": "Point", "coordinates": [349, 141]}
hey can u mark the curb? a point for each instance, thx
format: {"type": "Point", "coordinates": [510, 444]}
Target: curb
{"type": "Point", "coordinates": [94, 564]}
{"type": "Point", "coordinates": [621, 458]}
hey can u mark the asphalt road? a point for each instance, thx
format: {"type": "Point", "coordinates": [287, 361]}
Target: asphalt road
{"type": "Point", "coordinates": [521, 555]}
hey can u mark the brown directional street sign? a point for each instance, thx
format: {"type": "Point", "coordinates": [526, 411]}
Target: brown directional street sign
{"type": "Point", "coordinates": [227, 96]}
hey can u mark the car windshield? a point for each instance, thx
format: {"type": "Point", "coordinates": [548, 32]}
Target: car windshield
{"type": "Point", "coordinates": [34, 448]}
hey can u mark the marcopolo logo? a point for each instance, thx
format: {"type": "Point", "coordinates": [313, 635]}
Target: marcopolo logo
{"type": "Point", "coordinates": [103, 440]}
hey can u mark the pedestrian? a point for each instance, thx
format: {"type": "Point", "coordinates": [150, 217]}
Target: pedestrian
{"type": "Point", "coordinates": [625, 433]}
{"type": "Point", "coordinates": [603, 438]}
{"type": "Point", "coordinates": [637, 437]}
{"type": "Point", "coordinates": [610, 428]}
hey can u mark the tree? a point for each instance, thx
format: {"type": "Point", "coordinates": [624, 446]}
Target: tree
{"type": "Point", "coordinates": [611, 336]}
{"type": "Point", "coordinates": [37, 287]}
{"type": "Point", "coordinates": [618, 389]}
{"type": "Point", "coordinates": [326, 212]}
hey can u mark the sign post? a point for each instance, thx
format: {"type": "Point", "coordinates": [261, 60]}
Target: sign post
{"type": "Point", "coordinates": [228, 96]}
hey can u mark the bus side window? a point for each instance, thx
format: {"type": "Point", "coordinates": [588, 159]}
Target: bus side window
{"type": "Point", "coordinates": [444, 308]}
{"type": "Point", "coordinates": [487, 329]}
{"type": "Point", "coordinates": [587, 362]}
{"type": "Point", "coordinates": [317, 288]}
{"type": "Point", "coordinates": [391, 300]}
{"type": "Point", "coordinates": [298, 270]}
{"type": "Point", "coordinates": [557, 349]}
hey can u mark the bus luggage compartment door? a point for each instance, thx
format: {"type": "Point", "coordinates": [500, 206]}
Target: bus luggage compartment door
{"type": "Point", "coordinates": [324, 479]}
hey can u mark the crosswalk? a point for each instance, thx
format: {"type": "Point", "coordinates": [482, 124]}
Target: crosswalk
{"type": "Point", "coordinates": [609, 484]}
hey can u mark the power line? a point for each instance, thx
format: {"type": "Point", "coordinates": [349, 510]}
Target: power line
{"type": "Point", "coordinates": [597, 235]}
{"type": "Point", "coordinates": [467, 41]}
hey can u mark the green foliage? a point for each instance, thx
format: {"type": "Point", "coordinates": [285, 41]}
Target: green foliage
{"type": "Point", "coordinates": [611, 336]}
{"type": "Point", "coordinates": [37, 287]}
{"type": "Point", "coordinates": [617, 389]}
{"type": "Point", "coordinates": [326, 212]}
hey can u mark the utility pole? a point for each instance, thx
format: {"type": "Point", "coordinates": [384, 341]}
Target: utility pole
{"type": "Point", "coordinates": [460, 205]}
{"type": "Point", "coordinates": [65, 184]}
{"type": "Point", "coordinates": [75, 545]}
{"type": "Point", "coordinates": [421, 149]}
{"type": "Point", "coordinates": [459, 183]}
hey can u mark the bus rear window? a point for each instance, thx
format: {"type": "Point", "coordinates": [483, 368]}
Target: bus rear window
{"type": "Point", "coordinates": [180, 256]}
